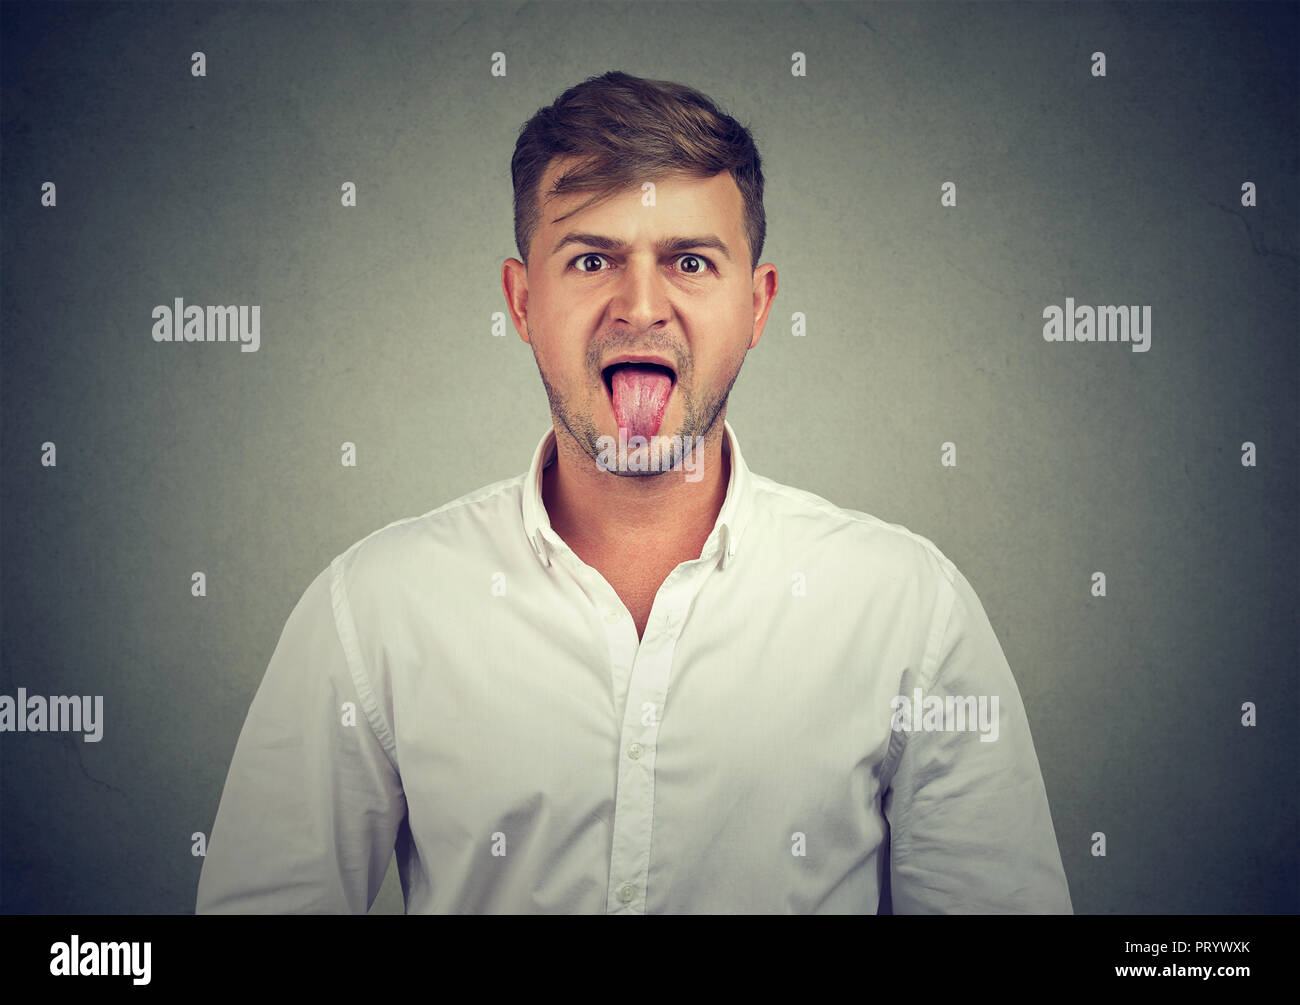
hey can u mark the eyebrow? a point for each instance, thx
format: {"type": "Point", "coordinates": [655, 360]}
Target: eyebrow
{"type": "Point", "coordinates": [669, 245]}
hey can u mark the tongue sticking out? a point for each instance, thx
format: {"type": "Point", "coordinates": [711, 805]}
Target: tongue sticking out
{"type": "Point", "coordinates": [640, 396]}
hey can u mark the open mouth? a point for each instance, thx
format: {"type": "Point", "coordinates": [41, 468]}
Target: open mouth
{"type": "Point", "coordinates": [608, 372]}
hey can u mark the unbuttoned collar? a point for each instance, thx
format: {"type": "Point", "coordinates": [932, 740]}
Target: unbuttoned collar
{"type": "Point", "coordinates": [726, 530]}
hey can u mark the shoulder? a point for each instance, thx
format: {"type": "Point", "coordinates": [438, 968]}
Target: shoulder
{"type": "Point", "coordinates": [400, 553]}
{"type": "Point", "coordinates": [869, 545]}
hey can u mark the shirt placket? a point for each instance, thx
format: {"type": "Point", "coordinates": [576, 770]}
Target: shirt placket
{"type": "Point", "coordinates": [647, 692]}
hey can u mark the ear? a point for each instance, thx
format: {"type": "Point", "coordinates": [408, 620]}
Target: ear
{"type": "Point", "coordinates": [514, 283]}
{"type": "Point", "coordinates": [766, 283]}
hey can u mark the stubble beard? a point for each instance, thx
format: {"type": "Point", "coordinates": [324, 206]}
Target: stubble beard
{"type": "Point", "coordinates": [697, 420]}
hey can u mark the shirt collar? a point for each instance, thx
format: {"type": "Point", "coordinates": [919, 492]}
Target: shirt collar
{"type": "Point", "coordinates": [726, 530]}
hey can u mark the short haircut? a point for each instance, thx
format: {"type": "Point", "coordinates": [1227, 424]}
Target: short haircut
{"type": "Point", "coordinates": [625, 130]}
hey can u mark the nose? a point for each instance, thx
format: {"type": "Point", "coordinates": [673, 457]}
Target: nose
{"type": "Point", "coordinates": [641, 294]}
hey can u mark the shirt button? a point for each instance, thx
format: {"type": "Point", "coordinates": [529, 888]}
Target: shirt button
{"type": "Point", "coordinates": [634, 751]}
{"type": "Point", "coordinates": [613, 617]}
{"type": "Point", "coordinates": [627, 893]}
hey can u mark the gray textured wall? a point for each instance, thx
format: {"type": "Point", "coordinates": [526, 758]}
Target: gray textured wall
{"type": "Point", "coordinates": [924, 326]}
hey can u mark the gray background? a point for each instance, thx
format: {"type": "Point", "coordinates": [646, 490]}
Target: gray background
{"type": "Point", "coordinates": [924, 326]}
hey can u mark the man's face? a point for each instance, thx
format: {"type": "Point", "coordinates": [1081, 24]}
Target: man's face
{"type": "Point", "coordinates": [624, 278]}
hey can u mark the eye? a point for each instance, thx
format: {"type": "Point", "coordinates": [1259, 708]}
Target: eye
{"type": "Point", "coordinates": [703, 265]}
{"type": "Point", "coordinates": [583, 258]}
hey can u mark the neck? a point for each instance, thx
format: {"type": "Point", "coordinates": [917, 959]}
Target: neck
{"type": "Point", "coordinates": [603, 513]}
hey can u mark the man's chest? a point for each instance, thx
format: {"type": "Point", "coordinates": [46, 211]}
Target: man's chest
{"type": "Point", "coordinates": [636, 581]}
{"type": "Point", "coordinates": [638, 596]}
{"type": "Point", "coordinates": [733, 757]}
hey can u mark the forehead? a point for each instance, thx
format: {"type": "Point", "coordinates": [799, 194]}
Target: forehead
{"type": "Point", "coordinates": [714, 199]}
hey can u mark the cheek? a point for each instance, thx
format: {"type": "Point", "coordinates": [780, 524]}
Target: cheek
{"type": "Point", "coordinates": [734, 324]}
{"type": "Point", "coordinates": [722, 364]}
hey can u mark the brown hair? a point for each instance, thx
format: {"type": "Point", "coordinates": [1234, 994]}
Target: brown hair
{"type": "Point", "coordinates": [625, 129]}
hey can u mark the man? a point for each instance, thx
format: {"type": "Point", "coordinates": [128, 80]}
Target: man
{"type": "Point", "coordinates": [639, 678]}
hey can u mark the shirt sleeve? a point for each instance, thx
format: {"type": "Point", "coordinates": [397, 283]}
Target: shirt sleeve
{"type": "Point", "coordinates": [313, 800]}
{"type": "Point", "coordinates": [970, 827]}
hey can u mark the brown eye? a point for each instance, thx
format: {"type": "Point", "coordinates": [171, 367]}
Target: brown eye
{"type": "Point", "coordinates": [698, 269]}
{"type": "Point", "coordinates": [588, 257]}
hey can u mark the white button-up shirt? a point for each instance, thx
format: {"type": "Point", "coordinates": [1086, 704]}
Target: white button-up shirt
{"type": "Point", "coordinates": [786, 738]}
